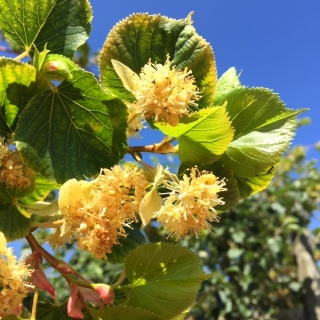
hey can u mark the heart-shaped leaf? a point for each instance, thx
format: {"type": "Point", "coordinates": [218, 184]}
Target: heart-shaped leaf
{"type": "Point", "coordinates": [73, 130]}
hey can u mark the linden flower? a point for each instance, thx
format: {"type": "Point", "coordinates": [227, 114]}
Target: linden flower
{"type": "Point", "coordinates": [96, 212]}
{"type": "Point", "coordinates": [190, 204]}
{"type": "Point", "coordinates": [12, 285]}
{"type": "Point", "coordinates": [12, 170]}
{"type": "Point", "coordinates": [164, 93]}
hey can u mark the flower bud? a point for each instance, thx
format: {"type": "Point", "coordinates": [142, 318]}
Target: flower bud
{"type": "Point", "coordinates": [105, 292]}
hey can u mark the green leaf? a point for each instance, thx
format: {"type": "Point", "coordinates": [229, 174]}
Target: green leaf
{"type": "Point", "coordinates": [254, 184]}
{"type": "Point", "coordinates": [255, 109]}
{"type": "Point", "coordinates": [58, 67]}
{"type": "Point", "coordinates": [226, 83]}
{"type": "Point", "coordinates": [63, 25]}
{"type": "Point", "coordinates": [123, 313]}
{"type": "Point", "coordinates": [257, 151]}
{"type": "Point", "coordinates": [42, 189]}
{"type": "Point", "coordinates": [203, 137]}
{"type": "Point", "coordinates": [13, 223]}
{"type": "Point", "coordinates": [164, 278]}
{"type": "Point", "coordinates": [235, 253]}
{"type": "Point", "coordinates": [133, 239]}
{"type": "Point", "coordinates": [38, 57]}
{"type": "Point", "coordinates": [47, 311]}
{"type": "Point", "coordinates": [140, 37]}
{"type": "Point", "coordinates": [18, 83]}
{"type": "Point", "coordinates": [74, 130]}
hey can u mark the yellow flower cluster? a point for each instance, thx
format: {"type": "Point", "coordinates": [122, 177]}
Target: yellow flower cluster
{"type": "Point", "coordinates": [12, 170]}
{"type": "Point", "coordinates": [96, 212]}
{"type": "Point", "coordinates": [165, 93]}
{"type": "Point", "coordinates": [12, 280]}
{"type": "Point", "coordinates": [189, 206]}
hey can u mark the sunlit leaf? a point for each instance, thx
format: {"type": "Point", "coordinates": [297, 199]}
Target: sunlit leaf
{"type": "Point", "coordinates": [63, 25]}
{"type": "Point", "coordinates": [140, 37]}
{"type": "Point", "coordinates": [203, 136]}
{"type": "Point", "coordinates": [19, 82]}
{"type": "Point", "coordinates": [253, 153]}
{"type": "Point", "coordinates": [164, 278]}
{"type": "Point", "coordinates": [74, 130]}
{"type": "Point", "coordinates": [254, 184]}
{"type": "Point", "coordinates": [226, 83]}
{"type": "Point", "coordinates": [255, 109]}
{"type": "Point", "coordinates": [58, 67]}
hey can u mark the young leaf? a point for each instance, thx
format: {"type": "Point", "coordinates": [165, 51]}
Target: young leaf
{"type": "Point", "coordinates": [63, 25]}
{"type": "Point", "coordinates": [57, 67]}
{"type": "Point", "coordinates": [19, 82]}
{"type": "Point", "coordinates": [123, 313]}
{"type": "Point", "coordinates": [74, 130]}
{"type": "Point", "coordinates": [157, 272]}
{"type": "Point", "coordinates": [39, 57]}
{"type": "Point", "coordinates": [203, 137]}
{"type": "Point", "coordinates": [140, 37]}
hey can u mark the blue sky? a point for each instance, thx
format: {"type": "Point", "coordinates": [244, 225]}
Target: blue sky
{"type": "Point", "coordinates": [275, 44]}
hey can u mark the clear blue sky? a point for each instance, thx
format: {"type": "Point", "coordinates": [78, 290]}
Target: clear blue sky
{"type": "Point", "coordinates": [276, 44]}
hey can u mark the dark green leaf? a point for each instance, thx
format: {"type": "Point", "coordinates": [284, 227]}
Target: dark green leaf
{"type": "Point", "coordinates": [47, 311]}
{"type": "Point", "coordinates": [127, 244]}
{"type": "Point", "coordinates": [74, 130]}
{"type": "Point", "coordinates": [13, 224]}
{"type": "Point", "coordinates": [124, 313]}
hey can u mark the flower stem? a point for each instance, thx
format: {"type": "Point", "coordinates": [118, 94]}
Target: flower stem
{"type": "Point", "coordinates": [34, 304]}
{"type": "Point", "coordinates": [164, 147]}
{"type": "Point", "coordinates": [54, 262]}
{"type": "Point", "coordinates": [22, 55]}
{"type": "Point", "coordinates": [54, 224]}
